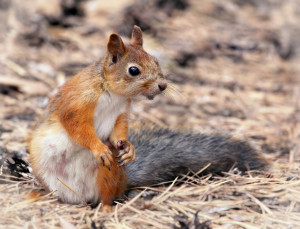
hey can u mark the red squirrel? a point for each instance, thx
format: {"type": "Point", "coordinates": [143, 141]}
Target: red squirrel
{"type": "Point", "coordinates": [80, 149]}
{"type": "Point", "coordinates": [71, 148]}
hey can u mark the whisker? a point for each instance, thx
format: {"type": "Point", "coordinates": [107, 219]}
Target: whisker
{"type": "Point", "coordinates": [174, 88]}
{"type": "Point", "coordinates": [172, 92]}
{"type": "Point", "coordinates": [170, 96]}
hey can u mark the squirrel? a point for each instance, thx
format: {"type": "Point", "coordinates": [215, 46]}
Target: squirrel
{"type": "Point", "coordinates": [81, 149]}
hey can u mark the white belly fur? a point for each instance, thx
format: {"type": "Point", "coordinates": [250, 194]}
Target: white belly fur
{"type": "Point", "coordinates": [109, 107]}
{"type": "Point", "coordinates": [73, 164]}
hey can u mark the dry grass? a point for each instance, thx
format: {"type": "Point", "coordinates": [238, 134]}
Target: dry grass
{"type": "Point", "coordinates": [233, 201]}
{"type": "Point", "coordinates": [242, 78]}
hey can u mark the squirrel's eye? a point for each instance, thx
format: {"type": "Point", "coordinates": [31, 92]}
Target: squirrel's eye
{"type": "Point", "coordinates": [134, 71]}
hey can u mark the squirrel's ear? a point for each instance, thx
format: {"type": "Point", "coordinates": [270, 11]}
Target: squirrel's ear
{"type": "Point", "coordinates": [115, 47]}
{"type": "Point", "coordinates": [137, 36]}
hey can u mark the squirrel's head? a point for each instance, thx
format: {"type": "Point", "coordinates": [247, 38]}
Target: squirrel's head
{"type": "Point", "coordinates": [129, 70]}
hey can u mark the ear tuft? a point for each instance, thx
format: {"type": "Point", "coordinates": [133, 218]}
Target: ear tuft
{"type": "Point", "coordinates": [115, 46]}
{"type": "Point", "coordinates": [137, 36]}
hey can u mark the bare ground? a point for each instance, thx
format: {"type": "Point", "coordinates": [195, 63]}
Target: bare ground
{"type": "Point", "coordinates": [236, 67]}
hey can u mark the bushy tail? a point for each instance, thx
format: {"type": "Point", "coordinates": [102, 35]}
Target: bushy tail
{"type": "Point", "coordinates": [163, 154]}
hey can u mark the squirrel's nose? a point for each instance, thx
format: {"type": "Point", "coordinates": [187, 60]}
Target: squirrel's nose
{"type": "Point", "coordinates": [162, 86]}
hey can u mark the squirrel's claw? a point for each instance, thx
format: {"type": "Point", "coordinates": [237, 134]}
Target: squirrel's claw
{"type": "Point", "coordinates": [120, 165]}
{"type": "Point", "coordinates": [125, 159]}
{"type": "Point", "coordinates": [106, 160]}
{"type": "Point", "coordinates": [126, 152]}
{"type": "Point", "coordinates": [104, 157]}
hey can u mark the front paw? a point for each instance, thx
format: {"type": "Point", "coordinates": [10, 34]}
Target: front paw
{"type": "Point", "coordinates": [126, 152]}
{"type": "Point", "coordinates": [104, 156]}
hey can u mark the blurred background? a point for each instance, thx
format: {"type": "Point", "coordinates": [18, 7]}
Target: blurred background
{"type": "Point", "coordinates": [235, 63]}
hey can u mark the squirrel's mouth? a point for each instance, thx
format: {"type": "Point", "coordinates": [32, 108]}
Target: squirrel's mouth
{"type": "Point", "coordinates": [150, 97]}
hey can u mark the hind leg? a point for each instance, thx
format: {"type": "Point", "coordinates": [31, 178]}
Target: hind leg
{"type": "Point", "coordinates": [111, 184]}
{"type": "Point", "coordinates": [108, 195]}
{"type": "Point", "coordinates": [106, 187]}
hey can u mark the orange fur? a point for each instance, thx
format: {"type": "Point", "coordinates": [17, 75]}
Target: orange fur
{"type": "Point", "coordinates": [120, 131]}
{"type": "Point", "coordinates": [75, 112]}
{"type": "Point", "coordinates": [34, 196]}
{"type": "Point", "coordinates": [111, 182]}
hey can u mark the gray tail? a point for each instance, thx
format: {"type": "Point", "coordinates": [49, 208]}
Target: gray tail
{"type": "Point", "coordinates": [163, 154]}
